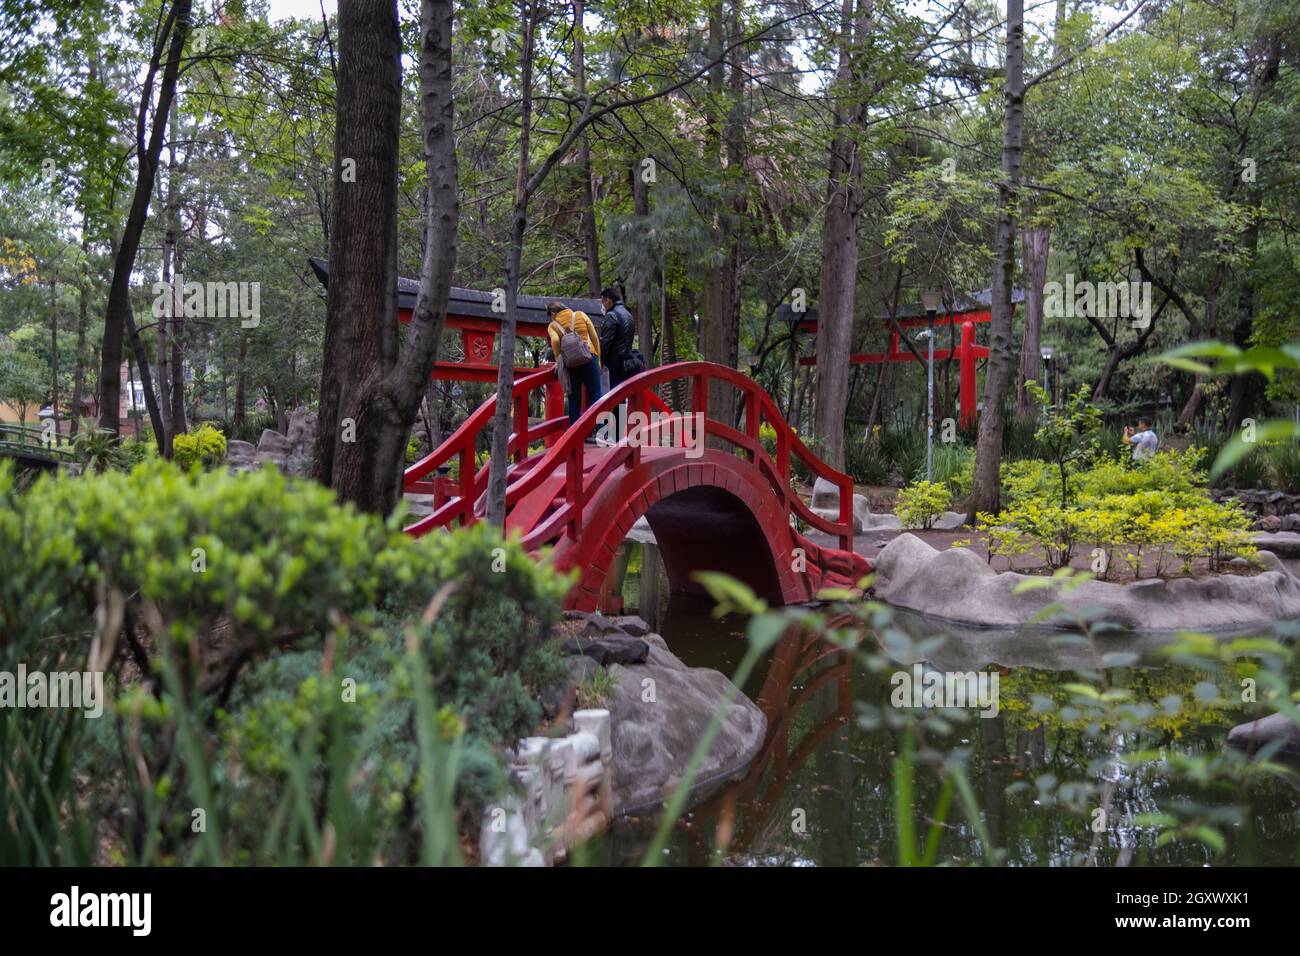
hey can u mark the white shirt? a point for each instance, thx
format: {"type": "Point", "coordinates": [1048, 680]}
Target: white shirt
{"type": "Point", "coordinates": [1144, 444]}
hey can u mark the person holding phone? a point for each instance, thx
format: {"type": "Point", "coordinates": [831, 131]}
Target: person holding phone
{"type": "Point", "coordinates": [1143, 440]}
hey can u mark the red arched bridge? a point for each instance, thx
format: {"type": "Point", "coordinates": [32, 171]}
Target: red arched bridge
{"type": "Point", "coordinates": [715, 497]}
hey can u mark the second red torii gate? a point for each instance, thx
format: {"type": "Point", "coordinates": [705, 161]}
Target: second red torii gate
{"type": "Point", "coordinates": [968, 352]}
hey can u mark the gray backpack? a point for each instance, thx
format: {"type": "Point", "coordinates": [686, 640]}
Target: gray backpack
{"type": "Point", "coordinates": [573, 347]}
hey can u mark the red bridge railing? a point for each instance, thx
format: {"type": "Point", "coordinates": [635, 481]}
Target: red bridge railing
{"type": "Point", "coordinates": [567, 445]}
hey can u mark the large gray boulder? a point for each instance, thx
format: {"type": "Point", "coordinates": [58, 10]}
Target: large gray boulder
{"type": "Point", "coordinates": [240, 455]}
{"type": "Point", "coordinates": [659, 714]}
{"type": "Point", "coordinates": [958, 585]}
{"type": "Point", "coordinates": [292, 453]}
{"type": "Point", "coordinates": [273, 445]}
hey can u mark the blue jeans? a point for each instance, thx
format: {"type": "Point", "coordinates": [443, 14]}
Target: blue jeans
{"type": "Point", "coordinates": [585, 377]}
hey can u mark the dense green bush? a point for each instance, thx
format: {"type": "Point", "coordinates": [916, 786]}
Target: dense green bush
{"type": "Point", "coordinates": [1284, 466]}
{"type": "Point", "coordinates": [905, 447]}
{"type": "Point", "coordinates": [1252, 470]}
{"type": "Point", "coordinates": [1019, 436]}
{"type": "Point", "coordinates": [866, 465]}
{"type": "Point", "coordinates": [229, 612]}
{"type": "Point", "coordinates": [1266, 465]}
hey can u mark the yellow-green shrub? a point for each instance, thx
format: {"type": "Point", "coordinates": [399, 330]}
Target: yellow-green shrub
{"type": "Point", "coordinates": [1053, 528]}
{"type": "Point", "coordinates": [1028, 478]}
{"type": "Point", "coordinates": [1145, 523]}
{"type": "Point", "coordinates": [205, 445]}
{"type": "Point", "coordinates": [921, 502]}
{"type": "Point", "coordinates": [1174, 474]}
{"type": "Point", "coordinates": [1004, 540]}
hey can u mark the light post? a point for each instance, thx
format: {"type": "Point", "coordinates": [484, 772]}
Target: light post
{"type": "Point", "coordinates": [931, 302]}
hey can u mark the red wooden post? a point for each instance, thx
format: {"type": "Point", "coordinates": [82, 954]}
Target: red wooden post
{"type": "Point", "coordinates": [521, 427]}
{"type": "Point", "coordinates": [967, 356]}
{"type": "Point", "coordinates": [573, 490]}
{"type": "Point", "coordinates": [467, 483]}
{"type": "Point", "coordinates": [700, 403]}
{"type": "Point", "coordinates": [700, 393]}
{"type": "Point", "coordinates": [635, 402]}
{"type": "Point", "coordinates": [554, 407]}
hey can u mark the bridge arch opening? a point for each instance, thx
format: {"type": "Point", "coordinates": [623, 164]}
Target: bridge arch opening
{"type": "Point", "coordinates": [707, 528]}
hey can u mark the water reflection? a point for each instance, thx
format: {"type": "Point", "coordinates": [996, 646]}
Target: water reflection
{"type": "Point", "coordinates": [1046, 772]}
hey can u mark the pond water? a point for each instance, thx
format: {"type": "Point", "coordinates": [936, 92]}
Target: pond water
{"type": "Point", "coordinates": [1053, 776]}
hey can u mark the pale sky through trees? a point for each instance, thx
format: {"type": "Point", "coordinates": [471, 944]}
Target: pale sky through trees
{"type": "Point", "coordinates": [301, 9]}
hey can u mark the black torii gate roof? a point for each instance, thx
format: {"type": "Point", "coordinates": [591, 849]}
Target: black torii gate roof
{"type": "Point", "coordinates": [472, 303]}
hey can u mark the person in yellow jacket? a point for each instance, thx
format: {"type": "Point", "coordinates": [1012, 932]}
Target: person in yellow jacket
{"type": "Point", "coordinates": [582, 375]}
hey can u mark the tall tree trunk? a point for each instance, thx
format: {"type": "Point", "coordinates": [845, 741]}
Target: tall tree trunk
{"type": "Point", "coordinates": [641, 287]}
{"type": "Point", "coordinates": [135, 408]}
{"type": "Point", "coordinates": [719, 339]}
{"type": "Point", "coordinates": [668, 338]}
{"type": "Point", "coordinates": [1037, 242]}
{"type": "Point", "coordinates": [589, 239]}
{"type": "Point", "coordinates": [382, 392]}
{"type": "Point", "coordinates": [839, 272]}
{"type": "Point", "coordinates": [501, 420]}
{"type": "Point", "coordinates": [985, 491]}
{"type": "Point", "coordinates": [241, 382]}
{"type": "Point", "coordinates": [83, 314]}
{"type": "Point", "coordinates": [54, 352]}
{"type": "Point", "coordinates": [118, 318]}
{"type": "Point", "coordinates": [170, 273]}
{"type": "Point", "coordinates": [1245, 391]}
{"type": "Point", "coordinates": [361, 314]}
{"type": "Point", "coordinates": [177, 363]}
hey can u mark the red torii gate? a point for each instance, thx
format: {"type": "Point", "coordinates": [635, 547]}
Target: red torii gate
{"type": "Point", "coordinates": [967, 314]}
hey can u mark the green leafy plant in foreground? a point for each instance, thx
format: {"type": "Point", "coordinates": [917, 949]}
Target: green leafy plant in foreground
{"type": "Point", "coordinates": [323, 687]}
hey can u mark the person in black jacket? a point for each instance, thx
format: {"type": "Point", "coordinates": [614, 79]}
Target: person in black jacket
{"type": "Point", "coordinates": [617, 331]}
